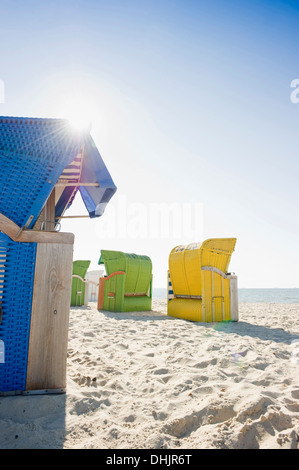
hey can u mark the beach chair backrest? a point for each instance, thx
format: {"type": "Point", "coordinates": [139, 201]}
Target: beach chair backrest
{"type": "Point", "coordinates": [186, 262]}
{"type": "Point", "coordinates": [138, 269]}
{"type": "Point", "coordinates": [33, 154]}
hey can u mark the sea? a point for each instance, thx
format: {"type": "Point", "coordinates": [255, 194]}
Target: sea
{"type": "Point", "coordinates": [267, 295]}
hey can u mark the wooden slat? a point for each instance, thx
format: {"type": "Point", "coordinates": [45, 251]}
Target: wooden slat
{"type": "Point", "coordinates": [50, 212]}
{"type": "Point", "coordinates": [135, 294]}
{"type": "Point", "coordinates": [214, 270]}
{"type": "Point", "coordinates": [75, 217]}
{"type": "Point", "coordinates": [11, 229]}
{"type": "Point", "coordinates": [48, 339]}
{"type": "Point", "coordinates": [46, 219]}
{"type": "Point", "coordinates": [77, 183]}
{"type": "Point", "coordinates": [233, 287]}
{"type": "Point", "coordinates": [101, 293]}
{"type": "Point", "coordinates": [46, 237]}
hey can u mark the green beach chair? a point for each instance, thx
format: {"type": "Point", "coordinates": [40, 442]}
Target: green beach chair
{"type": "Point", "coordinates": [127, 286]}
{"type": "Point", "coordinates": [80, 268]}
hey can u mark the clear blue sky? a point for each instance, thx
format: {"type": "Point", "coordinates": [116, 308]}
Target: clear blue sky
{"type": "Point", "coordinates": [190, 105]}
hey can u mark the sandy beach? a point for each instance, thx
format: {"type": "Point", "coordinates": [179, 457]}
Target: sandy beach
{"type": "Point", "coordinates": [148, 381]}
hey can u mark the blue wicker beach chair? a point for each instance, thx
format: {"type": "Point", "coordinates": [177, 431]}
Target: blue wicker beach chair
{"type": "Point", "coordinates": [43, 162]}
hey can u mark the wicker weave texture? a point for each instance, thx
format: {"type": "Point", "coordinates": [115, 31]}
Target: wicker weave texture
{"type": "Point", "coordinates": [17, 264]}
{"type": "Point", "coordinates": [33, 154]}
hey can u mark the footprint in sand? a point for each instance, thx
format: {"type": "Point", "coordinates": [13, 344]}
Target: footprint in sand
{"type": "Point", "coordinates": [161, 371]}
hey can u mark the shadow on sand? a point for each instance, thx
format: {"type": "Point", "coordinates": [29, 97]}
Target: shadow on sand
{"type": "Point", "coordinates": [265, 333]}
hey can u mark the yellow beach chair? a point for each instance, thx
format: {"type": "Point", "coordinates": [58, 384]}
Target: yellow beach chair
{"type": "Point", "coordinates": [199, 287]}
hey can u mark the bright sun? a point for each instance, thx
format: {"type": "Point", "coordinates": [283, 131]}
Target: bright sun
{"type": "Point", "coordinates": [78, 99]}
{"type": "Point", "coordinates": [80, 113]}
{"type": "Point", "coordinates": [80, 123]}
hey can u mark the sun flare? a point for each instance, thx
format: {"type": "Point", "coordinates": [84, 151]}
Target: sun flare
{"type": "Point", "coordinates": [80, 123]}
{"type": "Point", "coordinates": [80, 113]}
